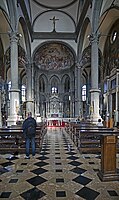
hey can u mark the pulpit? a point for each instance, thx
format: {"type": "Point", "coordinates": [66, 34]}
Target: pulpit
{"type": "Point", "coordinates": [108, 170]}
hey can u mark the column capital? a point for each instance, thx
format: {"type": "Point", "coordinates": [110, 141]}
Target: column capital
{"type": "Point", "coordinates": [14, 36]}
{"type": "Point", "coordinates": [94, 37]}
{"type": "Point", "coordinates": [78, 65]}
{"type": "Point", "coordinates": [29, 65]}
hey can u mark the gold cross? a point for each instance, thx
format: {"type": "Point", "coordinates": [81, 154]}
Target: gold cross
{"type": "Point", "coordinates": [54, 22]}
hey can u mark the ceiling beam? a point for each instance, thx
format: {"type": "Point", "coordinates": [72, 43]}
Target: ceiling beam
{"type": "Point", "coordinates": [53, 35]}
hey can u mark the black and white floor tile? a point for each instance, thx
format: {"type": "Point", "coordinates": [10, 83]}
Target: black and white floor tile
{"type": "Point", "coordinates": [58, 172]}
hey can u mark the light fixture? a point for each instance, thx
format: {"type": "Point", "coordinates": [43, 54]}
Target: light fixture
{"type": "Point", "coordinates": [9, 32]}
{"type": "Point", "coordinates": [19, 35]}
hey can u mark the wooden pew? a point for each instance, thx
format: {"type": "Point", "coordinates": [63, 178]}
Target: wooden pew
{"type": "Point", "coordinates": [87, 138]}
{"type": "Point", "coordinates": [12, 140]}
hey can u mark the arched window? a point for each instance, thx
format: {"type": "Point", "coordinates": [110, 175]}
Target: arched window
{"type": "Point", "coordinates": [54, 90]}
{"type": "Point", "coordinates": [84, 93]}
{"type": "Point", "coordinates": [67, 85]}
{"type": "Point", "coordinates": [41, 85]}
{"type": "Point", "coordinates": [54, 85]}
{"type": "Point", "coordinates": [9, 88]}
{"type": "Point", "coordinates": [23, 93]}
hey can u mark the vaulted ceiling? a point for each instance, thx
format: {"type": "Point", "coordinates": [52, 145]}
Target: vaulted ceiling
{"type": "Point", "coordinates": [61, 18]}
{"type": "Point", "coordinates": [65, 13]}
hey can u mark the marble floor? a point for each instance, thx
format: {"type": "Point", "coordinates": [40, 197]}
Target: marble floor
{"type": "Point", "coordinates": [58, 172]}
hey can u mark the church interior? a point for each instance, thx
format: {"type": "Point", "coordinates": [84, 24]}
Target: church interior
{"type": "Point", "coordinates": [59, 61]}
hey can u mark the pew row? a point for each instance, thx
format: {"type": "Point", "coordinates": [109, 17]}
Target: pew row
{"type": "Point", "coordinates": [88, 138]}
{"type": "Point", "coordinates": [12, 140]}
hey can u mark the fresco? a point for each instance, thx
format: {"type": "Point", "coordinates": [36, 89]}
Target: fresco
{"type": "Point", "coordinates": [22, 60]}
{"type": "Point", "coordinates": [54, 56]}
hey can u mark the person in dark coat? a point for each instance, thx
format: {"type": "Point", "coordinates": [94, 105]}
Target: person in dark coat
{"type": "Point", "coordinates": [29, 132]}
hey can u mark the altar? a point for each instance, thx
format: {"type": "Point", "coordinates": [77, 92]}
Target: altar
{"type": "Point", "coordinates": [57, 122]}
{"type": "Point", "coordinates": [55, 107]}
{"type": "Point", "coordinates": [55, 114]}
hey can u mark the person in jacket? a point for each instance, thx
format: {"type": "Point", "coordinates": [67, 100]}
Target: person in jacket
{"type": "Point", "coordinates": [29, 132]}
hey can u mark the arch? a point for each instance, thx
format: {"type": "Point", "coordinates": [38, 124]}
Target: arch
{"type": "Point", "coordinates": [54, 55]}
{"type": "Point", "coordinates": [60, 11]}
{"type": "Point", "coordinates": [43, 82]}
{"type": "Point", "coordinates": [2, 67]}
{"type": "Point", "coordinates": [81, 38]}
{"type": "Point", "coordinates": [54, 83]}
{"type": "Point", "coordinates": [26, 37]}
{"type": "Point", "coordinates": [111, 50]}
{"type": "Point", "coordinates": [41, 85]}
{"type": "Point", "coordinates": [65, 83]}
{"type": "Point", "coordinates": [12, 8]}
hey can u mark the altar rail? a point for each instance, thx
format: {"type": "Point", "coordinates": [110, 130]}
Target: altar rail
{"type": "Point", "coordinates": [87, 137]}
{"type": "Point", "coordinates": [12, 140]}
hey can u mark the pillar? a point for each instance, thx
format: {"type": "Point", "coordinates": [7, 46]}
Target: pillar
{"type": "Point", "coordinates": [88, 92]}
{"type": "Point", "coordinates": [37, 112]}
{"type": "Point", "coordinates": [94, 79]}
{"type": "Point", "coordinates": [71, 97]}
{"type": "Point", "coordinates": [78, 100]}
{"type": "Point", "coordinates": [29, 101]}
{"type": "Point", "coordinates": [14, 92]}
{"type": "Point", "coordinates": [107, 104]}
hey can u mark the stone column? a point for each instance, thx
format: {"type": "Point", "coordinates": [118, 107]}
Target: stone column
{"type": "Point", "coordinates": [33, 89]}
{"type": "Point", "coordinates": [29, 102]}
{"type": "Point", "coordinates": [87, 69]}
{"type": "Point", "coordinates": [94, 79]}
{"type": "Point", "coordinates": [37, 97]}
{"type": "Point", "coordinates": [108, 105]}
{"type": "Point", "coordinates": [76, 92]}
{"type": "Point", "coordinates": [80, 106]}
{"type": "Point", "coordinates": [14, 92]}
{"type": "Point", "coordinates": [71, 97]}
{"type": "Point", "coordinates": [78, 102]}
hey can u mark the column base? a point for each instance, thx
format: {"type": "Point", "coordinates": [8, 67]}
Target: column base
{"type": "Point", "coordinates": [38, 118]}
{"type": "Point", "coordinates": [12, 120]}
{"type": "Point", "coordinates": [94, 119]}
{"type": "Point", "coordinates": [108, 177]}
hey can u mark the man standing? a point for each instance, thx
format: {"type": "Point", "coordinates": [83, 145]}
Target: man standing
{"type": "Point", "coordinates": [29, 132]}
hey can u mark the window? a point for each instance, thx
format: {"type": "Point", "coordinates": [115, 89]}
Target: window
{"type": "Point", "coordinates": [23, 93]}
{"type": "Point", "coordinates": [113, 36]}
{"type": "Point", "coordinates": [105, 86]}
{"type": "Point", "coordinates": [84, 93]}
{"type": "Point", "coordinates": [54, 90]}
{"type": "Point", "coordinates": [113, 83]}
{"type": "Point", "coordinates": [41, 85]}
{"type": "Point", "coordinates": [9, 88]}
{"type": "Point", "coordinates": [67, 85]}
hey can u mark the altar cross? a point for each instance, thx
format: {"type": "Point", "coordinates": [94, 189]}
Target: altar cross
{"type": "Point", "coordinates": [54, 22]}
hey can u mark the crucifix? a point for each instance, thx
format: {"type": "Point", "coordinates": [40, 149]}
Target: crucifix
{"type": "Point", "coordinates": [54, 22]}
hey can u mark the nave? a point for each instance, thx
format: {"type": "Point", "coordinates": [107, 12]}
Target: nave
{"type": "Point", "coordinates": [59, 171]}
